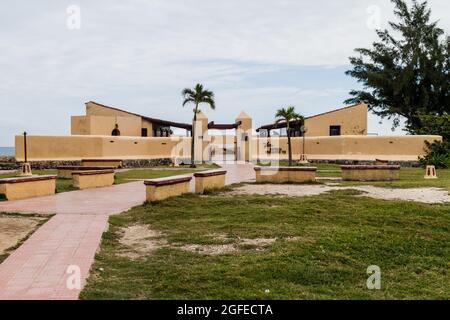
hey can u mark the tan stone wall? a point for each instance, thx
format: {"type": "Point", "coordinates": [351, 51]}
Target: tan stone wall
{"type": "Point", "coordinates": [30, 189]}
{"type": "Point", "coordinates": [347, 147]}
{"type": "Point", "coordinates": [104, 125]}
{"type": "Point", "coordinates": [156, 193]}
{"type": "Point", "coordinates": [209, 183]}
{"type": "Point", "coordinates": [353, 121]}
{"type": "Point", "coordinates": [85, 147]}
{"type": "Point", "coordinates": [149, 126]}
{"type": "Point", "coordinates": [342, 147]}
{"type": "Point", "coordinates": [278, 176]}
{"type": "Point", "coordinates": [92, 180]}
{"type": "Point", "coordinates": [80, 125]}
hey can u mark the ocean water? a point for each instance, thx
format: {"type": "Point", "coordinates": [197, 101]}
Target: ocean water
{"type": "Point", "coordinates": [7, 151]}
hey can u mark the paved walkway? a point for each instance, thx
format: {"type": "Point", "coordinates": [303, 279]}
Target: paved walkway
{"type": "Point", "coordinates": [51, 258]}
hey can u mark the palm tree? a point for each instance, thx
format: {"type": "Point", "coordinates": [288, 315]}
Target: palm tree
{"type": "Point", "coordinates": [287, 115]}
{"type": "Point", "coordinates": [197, 96]}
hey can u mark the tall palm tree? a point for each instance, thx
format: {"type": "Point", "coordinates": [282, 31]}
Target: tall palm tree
{"type": "Point", "coordinates": [287, 115]}
{"type": "Point", "coordinates": [197, 96]}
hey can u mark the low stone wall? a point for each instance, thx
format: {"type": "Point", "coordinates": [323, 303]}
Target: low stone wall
{"type": "Point", "coordinates": [285, 174]}
{"type": "Point", "coordinates": [163, 188]}
{"type": "Point", "coordinates": [209, 180]}
{"type": "Point", "coordinates": [370, 173]}
{"type": "Point", "coordinates": [10, 163]}
{"type": "Point", "coordinates": [27, 187]}
{"type": "Point", "coordinates": [65, 172]}
{"type": "Point", "coordinates": [93, 179]}
{"type": "Point", "coordinates": [116, 163]}
{"type": "Point", "coordinates": [143, 163]}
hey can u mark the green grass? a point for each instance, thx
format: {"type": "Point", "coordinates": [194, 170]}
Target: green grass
{"type": "Point", "coordinates": [157, 172]}
{"type": "Point", "coordinates": [411, 178]}
{"type": "Point", "coordinates": [340, 235]}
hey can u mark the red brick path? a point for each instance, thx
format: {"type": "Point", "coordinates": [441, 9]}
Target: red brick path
{"type": "Point", "coordinates": [39, 268]}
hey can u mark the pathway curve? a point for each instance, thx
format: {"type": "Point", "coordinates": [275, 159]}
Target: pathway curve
{"type": "Point", "coordinates": [66, 245]}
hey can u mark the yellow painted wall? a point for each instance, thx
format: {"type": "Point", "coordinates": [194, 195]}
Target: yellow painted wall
{"type": "Point", "coordinates": [104, 125]}
{"type": "Point", "coordinates": [343, 147]}
{"type": "Point", "coordinates": [353, 121]}
{"type": "Point", "coordinates": [349, 147]}
{"type": "Point", "coordinates": [78, 147]}
{"type": "Point", "coordinates": [149, 126]}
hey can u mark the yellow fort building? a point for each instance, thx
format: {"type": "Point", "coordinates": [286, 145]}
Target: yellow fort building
{"type": "Point", "coordinates": [106, 132]}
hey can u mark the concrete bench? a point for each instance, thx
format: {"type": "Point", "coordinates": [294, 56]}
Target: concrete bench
{"type": "Point", "coordinates": [285, 174]}
{"type": "Point", "coordinates": [92, 178]}
{"type": "Point", "coordinates": [116, 163]}
{"type": "Point", "coordinates": [27, 187]}
{"type": "Point", "coordinates": [370, 172]}
{"type": "Point", "coordinates": [209, 180]}
{"type": "Point", "coordinates": [66, 171]}
{"type": "Point", "coordinates": [163, 188]}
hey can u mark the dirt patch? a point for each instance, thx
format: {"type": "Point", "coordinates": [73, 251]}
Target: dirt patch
{"type": "Point", "coordinates": [424, 195]}
{"type": "Point", "coordinates": [13, 229]}
{"type": "Point", "coordinates": [209, 248]}
{"type": "Point", "coordinates": [139, 241]}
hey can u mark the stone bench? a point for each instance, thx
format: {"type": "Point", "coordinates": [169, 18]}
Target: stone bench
{"type": "Point", "coordinates": [116, 163]}
{"type": "Point", "coordinates": [209, 180]}
{"type": "Point", "coordinates": [163, 188]}
{"type": "Point", "coordinates": [285, 174]}
{"type": "Point", "coordinates": [370, 172]}
{"type": "Point", "coordinates": [66, 171]}
{"type": "Point", "coordinates": [93, 178]}
{"type": "Point", "coordinates": [27, 187]}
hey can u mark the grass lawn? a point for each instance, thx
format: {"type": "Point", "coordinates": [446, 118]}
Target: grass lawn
{"type": "Point", "coordinates": [412, 178]}
{"type": "Point", "coordinates": [324, 245]}
{"type": "Point", "coordinates": [158, 172]}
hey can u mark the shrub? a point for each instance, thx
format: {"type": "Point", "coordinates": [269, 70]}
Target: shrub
{"type": "Point", "coordinates": [438, 154]}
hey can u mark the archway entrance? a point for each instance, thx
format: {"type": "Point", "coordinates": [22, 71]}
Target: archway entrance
{"type": "Point", "coordinates": [223, 147]}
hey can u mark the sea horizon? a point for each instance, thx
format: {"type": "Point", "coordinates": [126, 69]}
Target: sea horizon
{"type": "Point", "coordinates": [7, 151]}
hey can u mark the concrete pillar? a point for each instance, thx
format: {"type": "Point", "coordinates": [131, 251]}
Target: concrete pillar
{"type": "Point", "coordinates": [201, 138]}
{"type": "Point", "coordinates": [243, 137]}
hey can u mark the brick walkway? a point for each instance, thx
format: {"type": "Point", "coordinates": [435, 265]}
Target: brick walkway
{"type": "Point", "coordinates": [39, 268]}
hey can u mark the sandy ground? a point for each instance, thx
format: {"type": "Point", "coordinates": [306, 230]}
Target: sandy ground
{"type": "Point", "coordinates": [14, 229]}
{"type": "Point", "coordinates": [424, 195]}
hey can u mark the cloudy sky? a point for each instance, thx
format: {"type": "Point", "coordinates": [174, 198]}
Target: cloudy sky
{"type": "Point", "coordinates": [256, 55]}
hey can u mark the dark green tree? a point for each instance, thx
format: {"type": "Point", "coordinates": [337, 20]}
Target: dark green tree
{"type": "Point", "coordinates": [197, 96]}
{"type": "Point", "coordinates": [405, 73]}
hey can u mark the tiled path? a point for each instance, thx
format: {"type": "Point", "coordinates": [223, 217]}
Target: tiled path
{"type": "Point", "coordinates": [49, 260]}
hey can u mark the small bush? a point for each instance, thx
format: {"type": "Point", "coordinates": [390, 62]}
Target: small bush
{"type": "Point", "coordinates": [438, 154]}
